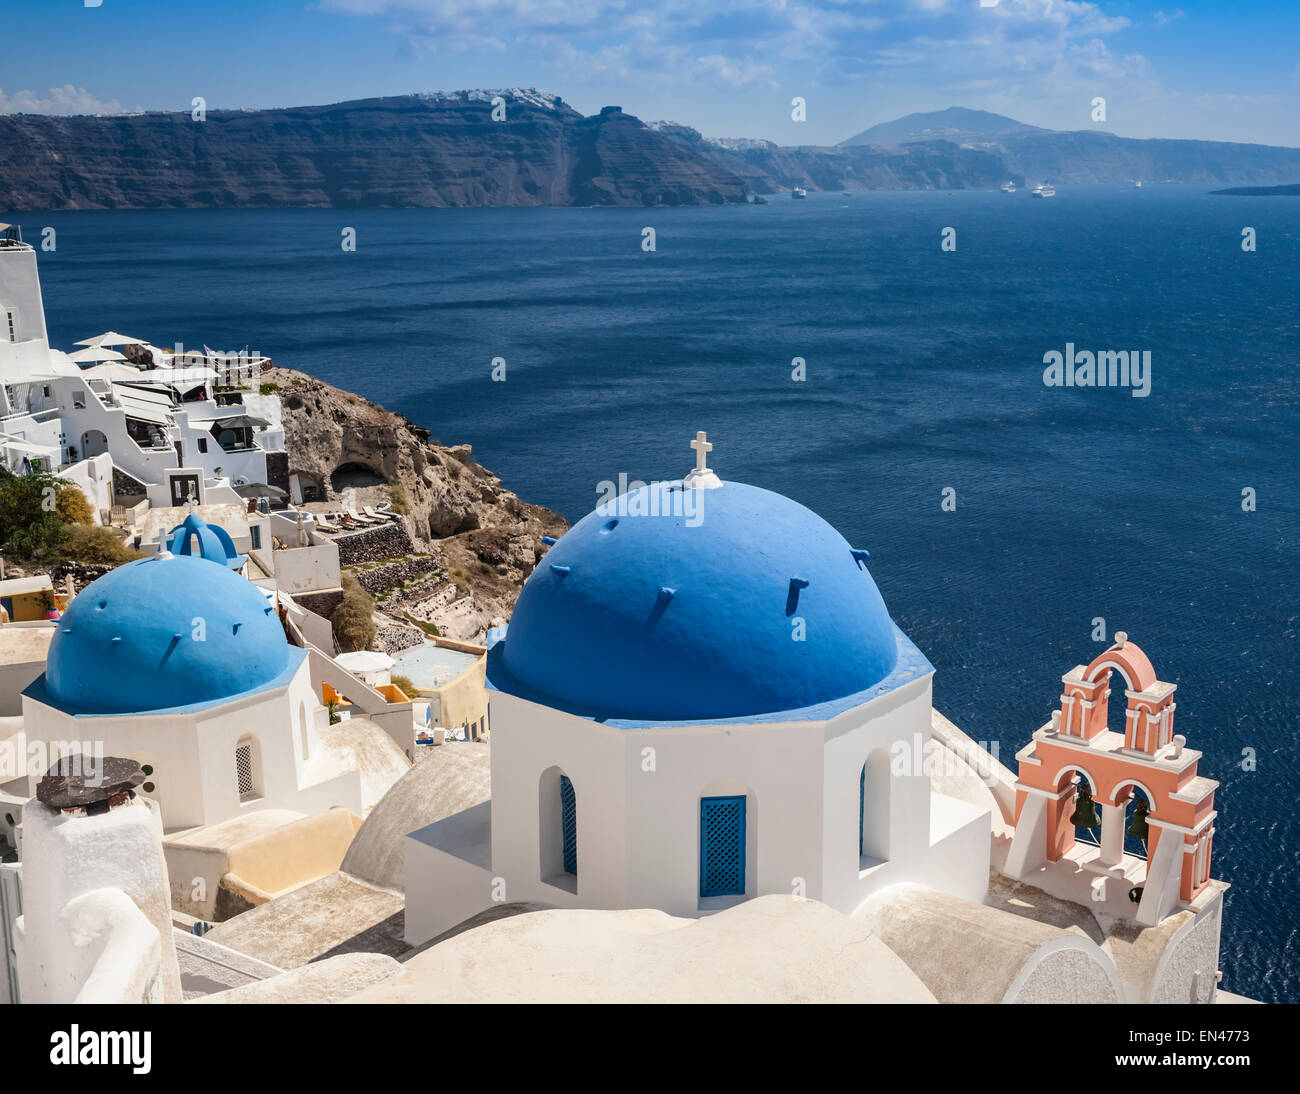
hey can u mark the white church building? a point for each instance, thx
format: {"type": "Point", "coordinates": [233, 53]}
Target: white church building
{"type": "Point", "coordinates": [700, 699]}
{"type": "Point", "coordinates": [181, 664]}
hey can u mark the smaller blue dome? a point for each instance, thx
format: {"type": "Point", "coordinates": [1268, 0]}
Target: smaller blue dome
{"type": "Point", "coordinates": [211, 541]}
{"type": "Point", "coordinates": [166, 631]}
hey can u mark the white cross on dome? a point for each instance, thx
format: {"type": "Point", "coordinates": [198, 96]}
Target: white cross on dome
{"type": "Point", "coordinates": [701, 477]}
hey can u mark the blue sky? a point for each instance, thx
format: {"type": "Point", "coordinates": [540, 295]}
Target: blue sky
{"type": "Point", "coordinates": [1182, 68]}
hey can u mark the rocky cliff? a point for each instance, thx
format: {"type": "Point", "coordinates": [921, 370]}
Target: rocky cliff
{"type": "Point", "coordinates": [405, 151]}
{"type": "Point", "coordinates": [475, 541]}
{"type": "Point", "coordinates": [446, 149]}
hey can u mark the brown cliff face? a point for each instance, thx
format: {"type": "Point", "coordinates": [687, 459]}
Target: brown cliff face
{"type": "Point", "coordinates": [481, 540]}
{"type": "Point", "coordinates": [404, 151]}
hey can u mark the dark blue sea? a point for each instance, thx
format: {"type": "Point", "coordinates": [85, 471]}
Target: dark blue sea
{"type": "Point", "coordinates": [924, 371]}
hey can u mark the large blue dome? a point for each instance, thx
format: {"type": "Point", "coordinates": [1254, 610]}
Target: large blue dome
{"type": "Point", "coordinates": [678, 618]}
{"type": "Point", "coordinates": [166, 631]}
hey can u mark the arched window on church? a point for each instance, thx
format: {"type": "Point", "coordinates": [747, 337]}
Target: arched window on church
{"type": "Point", "coordinates": [557, 829]}
{"type": "Point", "coordinates": [569, 826]}
{"type": "Point", "coordinates": [248, 764]}
{"type": "Point", "coordinates": [873, 810]}
{"type": "Point", "coordinates": [862, 806]}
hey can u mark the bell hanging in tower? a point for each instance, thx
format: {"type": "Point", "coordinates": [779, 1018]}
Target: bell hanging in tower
{"type": "Point", "coordinates": [1085, 809]}
{"type": "Point", "coordinates": [1138, 828]}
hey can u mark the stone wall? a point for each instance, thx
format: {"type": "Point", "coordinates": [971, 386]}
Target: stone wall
{"type": "Point", "coordinates": [374, 544]}
{"type": "Point", "coordinates": [320, 603]}
{"type": "Point", "coordinates": [83, 573]}
{"type": "Point", "coordinates": [127, 489]}
{"type": "Point", "coordinates": [394, 639]}
{"type": "Point", "coordinates": [383, 578]}
{"type": "Point", "coordinates": [277, 470]}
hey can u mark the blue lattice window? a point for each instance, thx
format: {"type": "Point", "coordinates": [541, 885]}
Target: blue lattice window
{"type": "Point", "coordinates": [569, 825]}
{"type": "Point", "coordinates": [722, 846]}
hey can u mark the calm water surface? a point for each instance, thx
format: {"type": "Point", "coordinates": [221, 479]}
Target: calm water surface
{"type": "Point", "coordinates": [924, 372]}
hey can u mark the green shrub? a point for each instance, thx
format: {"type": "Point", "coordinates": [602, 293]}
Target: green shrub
{"type": "Point", "coordinates": [353, 620]}
{"type": "Point", "coordinates": [31, 529]}
{"type": "Point", "coordinates": [408, 689]}
{"type": "Point", "coordinates": [397, 499]}
{"type": "Point", "coordinates": [268, 388]}
{"type": "Point", "coordinates": [71, 505]}
{"type": "Point", "coordinates": [96, 544]}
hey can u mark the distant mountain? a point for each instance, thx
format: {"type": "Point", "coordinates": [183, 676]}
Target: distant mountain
{"type": "Point", "coordinates": [1089, 155]}
{"type": "Point", "coordinates": [415, 150]}
{"type": "Point", "coordinates": [768, 168]}
{"type": "Point", "coordinates": [956, 124]}
{"type": "Point", "coordinates": [445, 149]}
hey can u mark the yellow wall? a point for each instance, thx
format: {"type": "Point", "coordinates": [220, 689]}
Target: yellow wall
{"type": "Point", "coordinates": [464, 701]}
{"type": "Point", "coordinates": [30, 606]}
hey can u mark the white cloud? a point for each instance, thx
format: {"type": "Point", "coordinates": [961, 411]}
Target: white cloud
{"type": "Point", "coordinates": [733, 72]}
{"type": "Point", "coordinates": [61, 100]}
{"type": "Point", "coordinates": [739, 42]}
{"type": "Point", "coordinates": [1042, 61]}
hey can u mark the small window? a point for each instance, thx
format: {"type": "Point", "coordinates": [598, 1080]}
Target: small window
{"type": "Point", "coordinates": [569, 825]}
{"type": "Point", "coordinates": [873, 810]}
{"type": "Point", "coordinates": [45, 390]}
{"type": "Point", "coordinates": [11, 324]}
{"type": "Point", "coordinates": [722, 846]}
{"type": "Point", "coordinates": [203, 444]}
{"type": "Point", "coordinates": [79, 401]}
{"type": "Point", "coordinates": [862, 807]}
{"type": "Point", "coordinates": [244, 770]}
{"type": "Point", "coordinates": [255, 536]}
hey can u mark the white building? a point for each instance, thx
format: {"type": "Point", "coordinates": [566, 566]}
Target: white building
{"type": "Point", "coordinates": [169, 433]}
{"type": "Point", "coordinates": [700, 699]}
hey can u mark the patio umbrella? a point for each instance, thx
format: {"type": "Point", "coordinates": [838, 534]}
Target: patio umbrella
{"type": "Point", "coordinates": [260, 490]}
{"type": "Point", "coordinates": [96, 353]}
{"type": "Point", "coordinates": [241, 421]}
{"type": "Point", "coordinates": [113, 371]}
{"type": "Point", "coordinates": [365, 661]}
{"type": "Point", "coordinates": [111, 338]}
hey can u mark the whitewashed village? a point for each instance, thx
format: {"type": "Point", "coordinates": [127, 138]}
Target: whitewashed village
{"type": "Point", "coordinates": [695, 761]}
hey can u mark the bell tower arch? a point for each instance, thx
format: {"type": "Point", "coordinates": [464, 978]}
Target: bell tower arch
{"type": "Point", "coordinates": [1075, 765]}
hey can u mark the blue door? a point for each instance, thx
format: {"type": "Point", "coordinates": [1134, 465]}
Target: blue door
{"type": "Point", "coordinates": [722, 846]}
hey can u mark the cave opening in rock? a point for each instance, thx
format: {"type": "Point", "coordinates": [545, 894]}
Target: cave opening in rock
{"type": "Point", "coordinates": [354, 476]}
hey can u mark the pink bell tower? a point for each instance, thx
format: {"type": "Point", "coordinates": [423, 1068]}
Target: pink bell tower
{"type": "Point", "coordinates": [1076, 748]}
